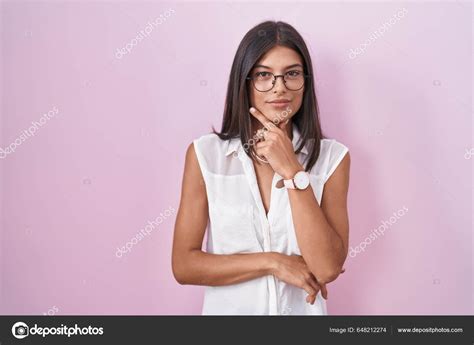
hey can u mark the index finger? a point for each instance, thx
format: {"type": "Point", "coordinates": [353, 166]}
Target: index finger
{"type": "Point", "coordinates": [324, 291]}
{"type": "Point", "coordinates": [262, 119]}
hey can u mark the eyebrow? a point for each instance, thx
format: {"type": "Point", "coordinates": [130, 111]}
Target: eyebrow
{"type": "Point", "coordinates": [291, 66]}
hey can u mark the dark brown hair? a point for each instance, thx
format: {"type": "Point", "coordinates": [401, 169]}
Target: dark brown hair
{"type": "Point", "coordinates": [236, 121]}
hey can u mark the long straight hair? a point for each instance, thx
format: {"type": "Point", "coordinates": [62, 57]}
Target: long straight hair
{"type": "Point", "coordinates": [236, 121]}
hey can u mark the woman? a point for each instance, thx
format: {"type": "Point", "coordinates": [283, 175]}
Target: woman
{"type": "Point", "coordinates": [273, 242]}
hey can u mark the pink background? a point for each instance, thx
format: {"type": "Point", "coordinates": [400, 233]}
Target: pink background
{"type": "Point", "coordinates": [112, 159]}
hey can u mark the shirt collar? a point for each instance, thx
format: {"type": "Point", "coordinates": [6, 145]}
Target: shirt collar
{"type": "Point", "coordinates": [234, 144]}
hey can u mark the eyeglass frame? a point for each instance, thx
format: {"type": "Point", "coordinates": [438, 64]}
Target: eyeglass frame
{"type": "Point", "coordinates": [275, 79]}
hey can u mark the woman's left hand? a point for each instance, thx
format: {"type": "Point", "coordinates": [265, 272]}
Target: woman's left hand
{"type": "Point", "coordinates": [277, 147]}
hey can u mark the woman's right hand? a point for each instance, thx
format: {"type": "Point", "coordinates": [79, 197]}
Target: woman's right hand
{"type": "Point", "coordinates": [292, 269]}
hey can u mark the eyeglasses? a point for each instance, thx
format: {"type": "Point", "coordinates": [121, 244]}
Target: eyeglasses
{"type": "Point", "coordinates": [265, 81]}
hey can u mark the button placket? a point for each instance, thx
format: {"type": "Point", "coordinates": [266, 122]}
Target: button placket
{"type": "Point", "coordinates": [252, 179]}
{"type": "Point", "coordinates": [275, 199]}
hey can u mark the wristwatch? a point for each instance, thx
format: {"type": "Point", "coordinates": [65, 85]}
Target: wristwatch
{"type": "Point", "coordinates": [300, 181]}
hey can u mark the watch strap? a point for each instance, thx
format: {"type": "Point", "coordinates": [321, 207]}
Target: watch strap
{"type": "Point", "coordinates": [290, 184]}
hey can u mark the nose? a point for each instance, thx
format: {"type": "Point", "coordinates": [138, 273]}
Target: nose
{"type": "Point", "coordinates": [279, 86]}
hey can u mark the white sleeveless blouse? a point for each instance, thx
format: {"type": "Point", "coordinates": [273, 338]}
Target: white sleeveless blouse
{"type": "Point", "coordinates": [238, 224]}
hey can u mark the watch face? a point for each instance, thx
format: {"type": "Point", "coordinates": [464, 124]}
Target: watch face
{"type": "Point", "coordinates": [301, 180]}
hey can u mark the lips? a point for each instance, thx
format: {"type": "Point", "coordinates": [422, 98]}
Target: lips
{"type": "Point", "coordinates": [279, 104]}
{"type": "Point", "coordinates": [280, 101]}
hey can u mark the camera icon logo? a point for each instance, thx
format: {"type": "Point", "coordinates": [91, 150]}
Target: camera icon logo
{"type": "Point", "coordinates": [20, 330]}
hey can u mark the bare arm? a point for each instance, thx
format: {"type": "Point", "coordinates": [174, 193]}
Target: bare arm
{"type": "Point", "coordinates": [190, 264]}
{"type": "Point", "coordinates": [323, 232]}
{"type": "Point", "coordinates": [193, 266]}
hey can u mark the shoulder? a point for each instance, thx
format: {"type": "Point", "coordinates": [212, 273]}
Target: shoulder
{"type": "Point", "coordinates": [210, 151]}
{"type": "Point", "coordinates": [332, 146]}
{"type": "Point", "coordinates": [333, 154]}
{"type": "Point", "coordinates": [210, 140]}
{"type": "Point", "coordinates": [208, 137]}
{"type": "Point", "coordinates": [210, 145]}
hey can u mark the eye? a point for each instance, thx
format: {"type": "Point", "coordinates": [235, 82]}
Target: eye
{"type": "Point", "coordinates": [294, 73]}
{"type": "Point", "coordinates": [262, 74]}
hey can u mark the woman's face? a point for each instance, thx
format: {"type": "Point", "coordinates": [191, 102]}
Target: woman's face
{"type": "Point", "coordinates": [280, 103]}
